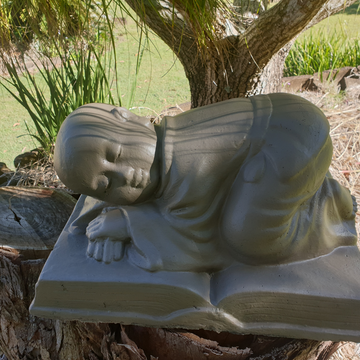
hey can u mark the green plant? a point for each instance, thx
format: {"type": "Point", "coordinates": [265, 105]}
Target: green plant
{"type": "Point", "coordinates": [321, 52]}
{"type": "Point", "coordinates": [71, 71]}
{"type": "Point", "coordinates": [23, 21]}
{"type": "Point", "coordinates": [84, 76]}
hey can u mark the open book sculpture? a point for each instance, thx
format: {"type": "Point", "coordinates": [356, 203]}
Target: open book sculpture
{"type": "Point", "coordinates": [224, 217]}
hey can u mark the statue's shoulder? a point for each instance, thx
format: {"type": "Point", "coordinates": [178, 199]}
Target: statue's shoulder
{"type": "Point", "coordinates": [224, 111]}
{"type": "Point", "coordinates": [297, 137]}
{"type": "Point", "coordinates": [293, 110]}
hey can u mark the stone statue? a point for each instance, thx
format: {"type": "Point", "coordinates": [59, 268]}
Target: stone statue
{"type": "Point", "coordinates": [239, 179]}
{"type": "Point", "coordinates": [229, 194]}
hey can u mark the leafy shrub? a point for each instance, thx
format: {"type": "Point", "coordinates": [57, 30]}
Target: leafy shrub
{"type": "Point", "coordinates": [84, 76]}
{"type": "Point", "coordinates": [23, 21]}
{"type": "Point", "coordinates": [318, 53]}
{"type": "Point", "coordinates": [71, 71]}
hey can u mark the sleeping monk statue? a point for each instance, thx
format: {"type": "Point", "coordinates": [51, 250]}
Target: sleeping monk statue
{"type": "Point", "coordinates": [220, 200]}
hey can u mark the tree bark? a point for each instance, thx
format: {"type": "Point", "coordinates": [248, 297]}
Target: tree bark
{"type": "Point", "coordinates": [270, 78]}
{"type": "Point", "coordinates": [234, 65]}
{"type": "Point", "coordinates": [32, 218]}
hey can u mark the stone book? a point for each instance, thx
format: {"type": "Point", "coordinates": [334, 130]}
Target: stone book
{"type": "Point", "coordinates": [283, 300]}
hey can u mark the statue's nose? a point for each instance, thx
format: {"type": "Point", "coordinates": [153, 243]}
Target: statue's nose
{"type": "Point", "coordinates": [123, 175]}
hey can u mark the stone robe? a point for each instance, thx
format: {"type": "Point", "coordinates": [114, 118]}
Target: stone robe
{"type": "Point", "coordinates": [245, 180]}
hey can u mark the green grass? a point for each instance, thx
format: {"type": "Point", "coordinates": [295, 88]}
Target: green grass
{"type": "Point", "coordinates": [319, 52]}
{"type": "Point", "coordinates": [161, 81]}
{"type": "Point", "coordinates": [345, 23]}
{"type": "Point", "coordinates": [84, 77]}
{"type": "Point", "coordinates": [333, 43]}
{"type": "Point", "coordinates": [12, 120]}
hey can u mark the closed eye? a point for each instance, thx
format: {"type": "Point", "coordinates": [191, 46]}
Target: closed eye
{"type": "Point", "coordinates": [118, 154]}
{"type": "Point", "coordinates": [108, 186]}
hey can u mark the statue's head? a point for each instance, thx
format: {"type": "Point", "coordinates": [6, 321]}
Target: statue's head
{"type": "Point", "coordinates": [107, 152]}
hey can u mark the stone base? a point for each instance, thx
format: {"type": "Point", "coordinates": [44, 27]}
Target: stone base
{"type": "Point", "coordinates": [307, 299]}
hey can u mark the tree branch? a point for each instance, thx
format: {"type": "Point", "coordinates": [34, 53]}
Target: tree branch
{"type": "Point", "coordinates": [279, 25]}
{"type": "Point", "coordinates": [330, 8]}
{"type": "Point", "coordinates": [169, 24]}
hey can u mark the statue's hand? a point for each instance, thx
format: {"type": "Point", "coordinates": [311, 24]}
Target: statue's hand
{"type": "Point", "coordinates": [107, 234]}
{"type": "Point", "coordinates": [106, 250]}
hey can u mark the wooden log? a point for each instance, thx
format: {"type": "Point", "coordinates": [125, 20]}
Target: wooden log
{"type": "Point", "coordinates": [23, 336]}
{"type": "Point", "coordinates": [31, 219]}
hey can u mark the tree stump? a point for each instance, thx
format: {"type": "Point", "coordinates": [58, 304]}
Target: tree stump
{"type": "Point", "coordinates": [24, 336]}
{"type": "Point", "coordinates": [31, 219]}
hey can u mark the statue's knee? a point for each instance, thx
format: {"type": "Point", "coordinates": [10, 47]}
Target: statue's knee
{"type": "Point", "coordinates": [259, 250]}
{"type": "Point", "coordinates": [294, 154]}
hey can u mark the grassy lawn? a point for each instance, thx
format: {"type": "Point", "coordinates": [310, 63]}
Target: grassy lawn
{"type": "Point", "coordinates": [12, 120]}
{"type": "Point", "coordinates": [344, 24]}
{"type": "Point", "coordinates": [161, 81]}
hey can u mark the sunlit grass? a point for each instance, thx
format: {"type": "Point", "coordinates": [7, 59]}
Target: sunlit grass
{"type": "Point", "coordinates": [343, 24]}
{"type": "Point", "coordinates": [161, 80]}
{"type": "Point", "coordinates": [333, 43]}
{"type": "Point", "coordinates": [317, 52]}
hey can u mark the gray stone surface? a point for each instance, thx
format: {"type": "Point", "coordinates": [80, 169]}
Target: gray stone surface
{"type": "Point", "coordinates": [315, 299]}
{"type": "Point", "coordinates": [224, 217]}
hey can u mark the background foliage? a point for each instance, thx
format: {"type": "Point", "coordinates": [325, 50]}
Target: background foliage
{"type": "Point", "coordinates": [139, 70]}
{"type": "Point", "coordinates": [23, 21]}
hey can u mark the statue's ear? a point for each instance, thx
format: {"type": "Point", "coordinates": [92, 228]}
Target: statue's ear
{"type": "Point", "coordinates": [125, 115]}
{"type": "Point", "coordinates": [120, 113]}
{"type": "Point", "coordinates": [254, 169]}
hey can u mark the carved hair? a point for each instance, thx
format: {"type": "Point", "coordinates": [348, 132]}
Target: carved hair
{"type": "Point", "coordinates": [105, 121]}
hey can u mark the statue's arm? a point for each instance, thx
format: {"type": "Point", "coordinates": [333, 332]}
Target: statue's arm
{"type": "Point", "coordinates": [112, 222]}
